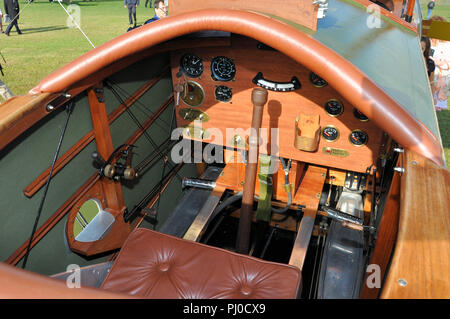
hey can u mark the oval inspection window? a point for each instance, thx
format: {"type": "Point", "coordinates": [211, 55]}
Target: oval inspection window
{"type": "Point", "coordinates": [91, 222]}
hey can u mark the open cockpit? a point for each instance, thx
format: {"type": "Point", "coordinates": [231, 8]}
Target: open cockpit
{"type": "Point", "coordinates": [252, 161]}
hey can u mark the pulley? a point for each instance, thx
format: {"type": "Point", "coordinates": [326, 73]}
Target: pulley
{"type": "Point", "coordinates": [118, 165]}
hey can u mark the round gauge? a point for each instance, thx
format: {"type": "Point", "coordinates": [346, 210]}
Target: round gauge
{"type": "Point", "coordinates": [192, 65]}
{"type": "Point", "coordinates": [223, 69]}
{"type": "Point", "coordinates": [223, 93]}
{"type": "Point", "coordinates": [358, 138]}
{"type": "Point", "coordinates": [360, 116]}
{"type": "Point", "coordinates": [334, 107]}
{"type": "Point", "coordinates": [330, 133]}
{"type": "Point", "coordinates": [316, 80]}
{"type": "Point", "coordinates": [193, 94]}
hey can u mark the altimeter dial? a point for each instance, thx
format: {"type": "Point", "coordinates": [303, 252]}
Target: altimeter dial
{"type": "Point", "coordinates": [223, 69]}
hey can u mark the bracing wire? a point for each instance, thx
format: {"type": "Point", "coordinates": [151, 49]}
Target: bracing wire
{"type": "Point", "coordinates": [69, 109]}
{"type": "Point", "coordinates": [75, 22]}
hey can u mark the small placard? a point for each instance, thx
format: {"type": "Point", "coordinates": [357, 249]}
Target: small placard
{"type": "Point", "coordinates": [335, 151]}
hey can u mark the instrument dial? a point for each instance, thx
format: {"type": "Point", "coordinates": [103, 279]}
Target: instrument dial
{"type": "Point", "coordinates": [330, 133]}
{"type": "Point", "coordinates": [192, 65]}
{"type": "Point", "coordinates": [334, 107]}
{"type": "Point", "coordinates": [360, 116]}
{"type": "Point", "coordinates": [358, 138]}
{"type": "Point", "coordinates": [193, 94]}
{"type": "Point", "coordinates": [223, 69]}
{"type": "Point", "coordinates": [223, 93]}
{"type": "Point", "coordinates": [316, 80]}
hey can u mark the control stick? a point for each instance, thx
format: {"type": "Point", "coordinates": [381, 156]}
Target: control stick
{"type": "Point", "coordinates": [259, 99]}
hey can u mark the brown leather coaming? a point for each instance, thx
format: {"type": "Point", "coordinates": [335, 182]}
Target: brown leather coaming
{"type": "Point", "coordinates": [156, 265]}
{"type": "Point", "coordinates": [16, 283]}
{"type": "Point", "coordinates": [345, 78]}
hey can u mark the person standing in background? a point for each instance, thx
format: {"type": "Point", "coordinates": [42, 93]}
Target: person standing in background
{"type": "Point", "coordinates": [1, 18]}
{"type": "Point", "coordinates": [12, 10]}
{"type": "Point", "coordinates": [430, 7]}
{"type": "Point", "coordinates": [426, 50]}
{"type": "Point", "coordinates": [131, 5]}
{"type": "Point", "coordinates": [440, 53]}
{"type": "Point", "coordinates": [147, 1]}
{"type": "Point", "coordinates": [5, 92]}
{"type": "Point", "coordinates": [160, 11]}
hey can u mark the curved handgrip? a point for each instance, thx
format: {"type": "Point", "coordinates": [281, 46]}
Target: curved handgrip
{"type": "Point", "coordinates": [292, 85]}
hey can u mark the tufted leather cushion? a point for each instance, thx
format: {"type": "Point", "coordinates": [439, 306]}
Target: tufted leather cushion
{"type": "Point", "coordinates": [156, 265]}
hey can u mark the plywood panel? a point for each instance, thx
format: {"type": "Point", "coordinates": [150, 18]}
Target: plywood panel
{"type": "Point", "coordinates": [300, 11]}
{"type": "Point", "coordinates": [421, 260]}
{"type": "Point", "coordinates": [282, 107]}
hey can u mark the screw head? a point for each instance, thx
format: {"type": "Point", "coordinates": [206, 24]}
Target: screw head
{"type": "Point", "coordinates": [402, 282]}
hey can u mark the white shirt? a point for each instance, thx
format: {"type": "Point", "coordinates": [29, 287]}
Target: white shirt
{"type": "Point", "coordinates": [441, 57]}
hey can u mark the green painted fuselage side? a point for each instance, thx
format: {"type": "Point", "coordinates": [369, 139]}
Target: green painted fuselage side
{"type": "Point", "coordinates": [27, 157]}
{"type": "Point", "coordinates": [387, 52]}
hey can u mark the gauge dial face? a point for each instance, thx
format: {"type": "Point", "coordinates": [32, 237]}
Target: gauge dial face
{"type": "Point", "coordinates": [316, 80]}
{"type": "Point", "coordinates": [360, 116]}
{"type": "Point", "coordinates": [192, 65]}
{"type": "Point", "coordinates": [223, 69]}
{"type": "Point", "coordinates": [334, 107]}
{"type": "Point", "coordinates": [358, 138]}
{"type": "Point", "coordinates": [193, 94]}
{"type": "Point", "coordinates": [223, 93]}
{"type": "Point", "coordinates": [330, 133]}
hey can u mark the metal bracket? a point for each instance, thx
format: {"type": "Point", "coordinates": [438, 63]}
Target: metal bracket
{"type": "Point", "coordinates": [355, 181]}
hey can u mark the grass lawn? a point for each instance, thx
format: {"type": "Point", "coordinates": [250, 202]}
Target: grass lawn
{"type": "Point", "coordinates": [47, 43]}
{"type": "Point", "coordinates": [441, 8]}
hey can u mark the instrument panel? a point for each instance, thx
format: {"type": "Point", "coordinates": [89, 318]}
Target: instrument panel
{"type": "Point", "coordinates": [216, 90]}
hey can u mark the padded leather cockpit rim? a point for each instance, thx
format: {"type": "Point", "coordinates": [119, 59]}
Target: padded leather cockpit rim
{"type": "Point", "coordinates": [346, 78]}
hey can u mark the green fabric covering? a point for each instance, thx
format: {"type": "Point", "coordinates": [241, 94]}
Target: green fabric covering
{"type": "Point", "coordinates": [389, 54]}
{"type": "Point", "coordinates": [265, 189]}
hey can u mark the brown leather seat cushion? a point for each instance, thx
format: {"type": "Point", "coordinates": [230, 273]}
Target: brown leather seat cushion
{"type": "Point", "coordinates": [156, 265]}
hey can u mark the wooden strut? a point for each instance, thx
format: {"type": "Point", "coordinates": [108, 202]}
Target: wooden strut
{"type": "Point", "coordinates": [259, 98]}
{"type": "Point", "coordinates": [308, 194]}
{"type": "Point", "coordinates": [410, 11]}
{"type": "Point", "coordinates": [15, 258]}
{"type": "Point", "coordinates": [35, 185]}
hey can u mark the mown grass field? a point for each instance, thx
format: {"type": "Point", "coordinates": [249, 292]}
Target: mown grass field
{"type": "Point", "coordinates": [47, 42]}
{"type": "Point", "coordinates": [442, 8]}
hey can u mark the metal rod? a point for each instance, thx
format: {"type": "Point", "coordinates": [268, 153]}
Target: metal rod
{"type": "Point", "coordinates": [259, 98]}
{"type": "Point", "coordinates": [266, 245]}
{"type": "Point", "coordinates": [198, 183]}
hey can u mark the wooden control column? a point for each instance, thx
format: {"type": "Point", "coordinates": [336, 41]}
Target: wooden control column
{"type": "Point", "coordinates": [259, 98]}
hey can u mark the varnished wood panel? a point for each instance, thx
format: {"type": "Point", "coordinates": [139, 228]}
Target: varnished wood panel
{"type": "Point", "coordinates": [113, 239]}
{"type": "Point", "coordinates": [232, 177]}
{"type": "Point", "coordinates": [20, 113]}
{"type": "Point", "coordinates": [282, 107]}
{"type": "Point", "coordinates": [103, 140]}
{"type": "Point", "coordinates": [309, 195]}
{"type": "Point", "coordinates": [421, 260]}
{"type": "Point", "coordinates": [386, 236]}
{"type": "Point", "coordinates": [299, 11]}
